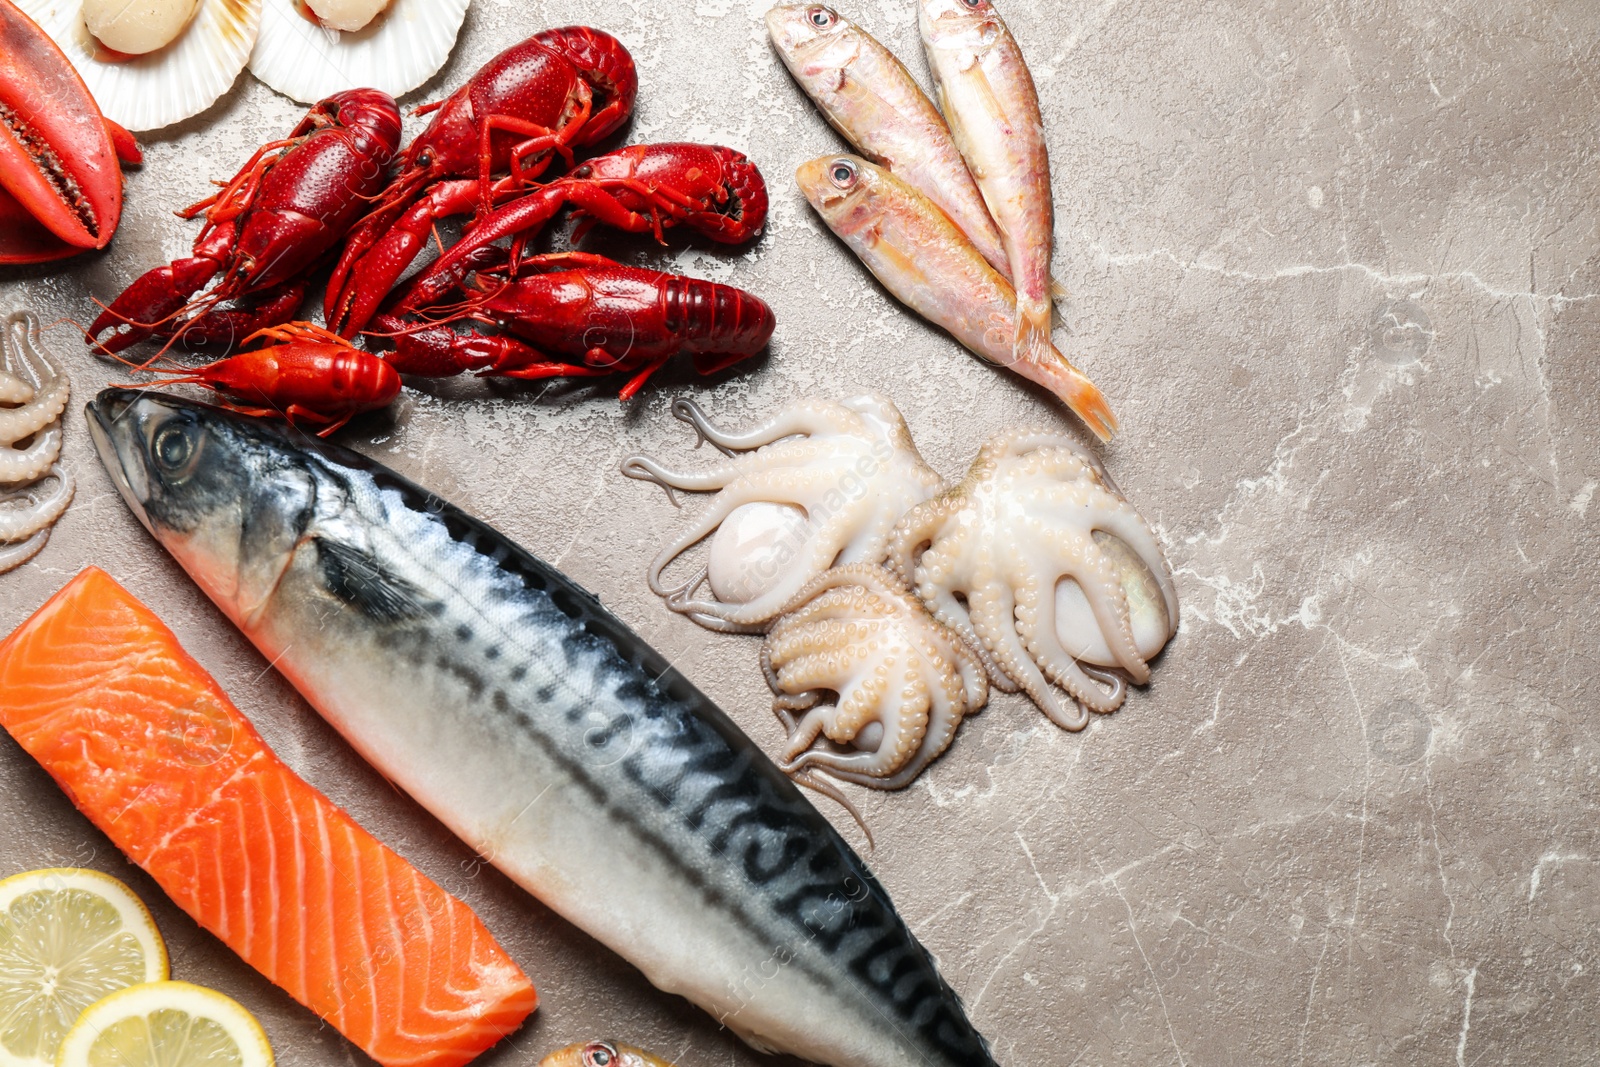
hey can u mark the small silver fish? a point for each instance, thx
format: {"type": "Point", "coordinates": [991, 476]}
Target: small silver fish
{"type": "Point", "coordinates": [990, 102]}
{"type": "Point", "coordinates": [918, 254]}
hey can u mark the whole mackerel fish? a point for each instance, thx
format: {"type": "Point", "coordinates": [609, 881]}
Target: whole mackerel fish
{"type": "Point", "coordinates": [541, 730]}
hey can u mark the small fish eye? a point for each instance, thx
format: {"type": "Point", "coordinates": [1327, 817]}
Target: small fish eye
{"type": "Point", "coordinates": [173, 448]}
{"type": "Point", "coordinates": [843, 173]}
{"type": "Point", "coordinates": [820, 17]}
{"type": "Point", "coordinates": [599, 1054]}
{"type": "Point", "coordinates": [974, 4]}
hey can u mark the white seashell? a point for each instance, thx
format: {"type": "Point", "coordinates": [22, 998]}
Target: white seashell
{"type": "Point", "coordinates": [1080, 631]}
{"type": "Point", "coordinates": [168, 85]}
{"type": "Point", "coordinates": [751, 548]}
{"type": "Point", "coordinates": [401, 48]}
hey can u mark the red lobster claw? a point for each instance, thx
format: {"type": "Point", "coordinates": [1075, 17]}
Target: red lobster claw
{"type": "Point", "coordinates": [58, 161]}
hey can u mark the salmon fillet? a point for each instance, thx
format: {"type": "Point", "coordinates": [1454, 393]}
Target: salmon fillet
{"type": "Point", "coordinates": [149, 747]}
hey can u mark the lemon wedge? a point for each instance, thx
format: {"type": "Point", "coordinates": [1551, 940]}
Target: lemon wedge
{"type": "Point", "coordinates": [67, 938]}
{"type": "Point", "coordinates": [166, 1024]}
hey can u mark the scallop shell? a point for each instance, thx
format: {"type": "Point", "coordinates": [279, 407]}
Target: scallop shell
{"type": "Point", "coordinates": [398, 51]}
{"type": "Point", "coordinates": [168, 85]}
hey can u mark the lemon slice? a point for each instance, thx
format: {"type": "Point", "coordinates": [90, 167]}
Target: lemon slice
{"type": "Point", "coordinates": [67, 938]}
{"type": "Point", "coordinates": [166, 1024]}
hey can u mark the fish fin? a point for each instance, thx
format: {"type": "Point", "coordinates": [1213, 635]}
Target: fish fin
{"type": "Point", "coordinates": [1060, 298]}
{"type": "Point", "coordinates": [1057, 374]}
{"type": "Point", "coordinates": [1032, 341]}
{"type": "Point", "coordinates": [360, 579]}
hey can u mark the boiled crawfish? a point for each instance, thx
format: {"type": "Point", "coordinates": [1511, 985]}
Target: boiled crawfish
{"type": "Point", "coordinates": [267, 228]}
{"type": "Point", "coordinates": [60, 183]}
{"type": "Point", "coordinates": [558, 91]}
{"type": "Point", "coordinates": [309, 377]}
{"type": "Point", "coordinates": [712, 190]}
{"type": "Point", "coordinates": [604, 317]}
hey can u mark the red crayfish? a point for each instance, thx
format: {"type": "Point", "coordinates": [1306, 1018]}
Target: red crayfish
{"type": "Point", "coordinates": [311, 376]}
{"type": "Point", "coordinates": [614, 318]}
{"type": "Point", "coordinates": [559, 90]}
{"type": "Point", "coordinates": [60, 182]}
{"type": "Point", "coordinates": [267, 228]}
{"type": "Point", "coordinates": [712, 190]}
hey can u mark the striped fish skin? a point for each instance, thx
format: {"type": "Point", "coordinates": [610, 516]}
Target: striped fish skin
{"type": "Point", "coordinates": [542, 731]}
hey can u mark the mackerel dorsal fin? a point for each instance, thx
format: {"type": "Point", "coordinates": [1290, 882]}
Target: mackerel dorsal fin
{"type": "Point", "coordinates": [356, 576]}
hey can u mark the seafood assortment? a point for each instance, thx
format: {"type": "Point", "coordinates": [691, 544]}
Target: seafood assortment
{"type": "Point", "coordinates": [902, 681]}
{"type": "Point", "coordinates": [712, 190]}
{"type": "Point", "coordinates": [822, 483]}
{"type": "Point", "coordinates": [205, 44]}
{"type": "Point", "coordinates": [1033, 571]}
{"type": "Point", "coordinates": [148, 746]}
{"type": "Point", "coordinates": [390, 45]}
{"type": "Point", "coordinates": [989, 100]}
{"type": "Point", "coordinates": [35, 488]}
{"type": "Point", "coordinates": [500, 695]}
{"type": "Point", "coordinates": [484, 682]}
{"type": "Point", "coordinates": [267, 228]}
{"type": "Point", "coordinates": [921, 257]}
{"type": "Point", "coordinates": [536, 102]}
{"type": "Point", "coordinates": [60, 158]}
{"type": "Point", "coordinates": [1042, 565]}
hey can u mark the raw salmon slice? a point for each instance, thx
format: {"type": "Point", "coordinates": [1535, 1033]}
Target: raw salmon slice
{"type": "Point", "coordinates": [149, 747]}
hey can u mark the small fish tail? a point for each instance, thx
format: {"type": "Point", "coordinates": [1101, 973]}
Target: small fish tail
{"type": "Point", "coordinates": [1032, 342]}
{"type": "Point", "coordinates": [1057, 374]}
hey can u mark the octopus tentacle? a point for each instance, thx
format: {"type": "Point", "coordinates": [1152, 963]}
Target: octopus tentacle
{"type": "Point", "coordinates": [1130, 529]}
{"type": "Point", "coordinates": [14, 556]}
{"type": "Point", "coordinates": [27, 464]}
{"type": "Point", "coordinates": [20, 523]}
{"type": "Point", "coordinates": [642, 468]}
{"type": "Point", "coordinates": [49, 400]}
{"type": "Point", "coordinates": [807, 418]}
{"type": "Point", "coordinates": [14, 390]}
{"type": "Point", "coordinates": [698, 530]}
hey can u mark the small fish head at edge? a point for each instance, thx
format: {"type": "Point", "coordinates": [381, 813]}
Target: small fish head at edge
{"type": "Point", "coordinates": [602, 1054]}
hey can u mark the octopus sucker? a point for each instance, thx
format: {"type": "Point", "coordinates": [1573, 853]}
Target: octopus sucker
{"type": "Point", "coordinates": [820, 484]}
{"type": "Point", "coordinates": [1042, 565]}
{"type": "Point", "coordinates": [33, 395]}
{"type": "Point", "coordinates": [857, 659]}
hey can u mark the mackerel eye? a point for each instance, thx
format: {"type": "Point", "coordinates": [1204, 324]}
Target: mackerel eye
{"type": "Point", "coordinates": [173, 448]}
{"type": "Point", "coordinates": [843, 173]}
{"type": "Point", "coordinates": [973, 4]}
{"type": "Point", "coordinates": [821, 17]}
{"type": "Point", "coordinates": [599, 1054]}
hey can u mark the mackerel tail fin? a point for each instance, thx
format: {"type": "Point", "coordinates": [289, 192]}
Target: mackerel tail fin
{"type": "Point", "coordinates": [1057, 374]}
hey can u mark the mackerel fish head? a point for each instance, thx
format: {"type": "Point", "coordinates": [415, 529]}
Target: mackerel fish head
{"type": "Point", "coordinates": [230, 498]}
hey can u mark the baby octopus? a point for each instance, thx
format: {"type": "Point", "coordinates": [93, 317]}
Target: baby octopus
{"type": "Point", "coordinates": [33, 394]}
{"type": "Point", "coordinates": [901, 681]}
{"type": "Point", "coordinates": [822, 484]}
{"type": "Point", "coordinates": [1039, 562]}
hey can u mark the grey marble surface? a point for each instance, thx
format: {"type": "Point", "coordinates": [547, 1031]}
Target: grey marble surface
{"type": "Point", "coordinates": [1335, 267]}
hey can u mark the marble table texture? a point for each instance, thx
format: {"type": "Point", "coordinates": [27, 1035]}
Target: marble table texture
{"type": "Point", "coordinates": [1335, 266]}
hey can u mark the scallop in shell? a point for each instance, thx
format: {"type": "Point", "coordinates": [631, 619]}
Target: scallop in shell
{"type": "Point", "coordinates": [402, 47]}
{"type": "Point", "coordinates": [165, 86]}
